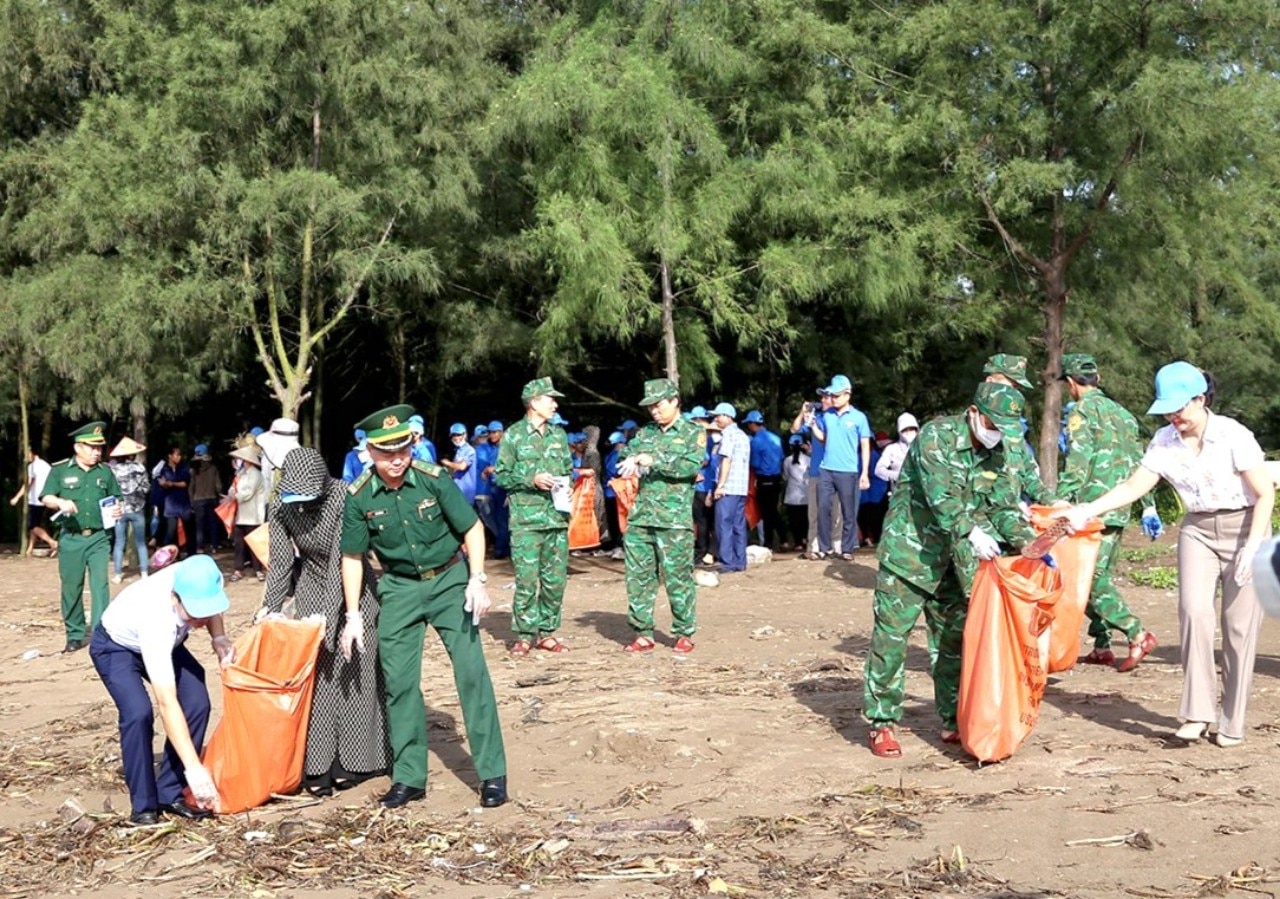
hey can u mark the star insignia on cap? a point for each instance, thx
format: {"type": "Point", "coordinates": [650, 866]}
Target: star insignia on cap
{"type": "Point", "coordinates": [97, 432]}
{"type": "Point", "coordinates": [390, 421]}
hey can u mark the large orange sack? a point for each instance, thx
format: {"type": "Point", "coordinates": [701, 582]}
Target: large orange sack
{"type": "Point", "coordinates": [1077, 558]}
{"type": "Point", "coordinates": [1006, 649]}
{"type": "Point", "coordinates": [261, 742]}
{"type": "Point", "coordinates": [625, 489]}
{"type": "Point", "coordinates": [584, 530]}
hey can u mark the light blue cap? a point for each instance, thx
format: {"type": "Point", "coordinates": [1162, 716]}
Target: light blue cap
{"type": "Point", "coordinates": [754, 417]}
{"type": "Point", "coordinates": [839, 384]}
{"type": "Point", "coordinates": [795, 440]}
{"type": "Point", "coordinates": [628, 425]}
{"type": "Point", "coordinates": [360, 434]}
{"type": "Point", "coordinates": [457, 428]}
{"type": "Point", "coordinates": [417, 425]}
{"type": "Point", "coordinates": [480, 431]}
{"type": "Point", "coordinates": [1177, 384]}
{"type": "Point", "coordinates": [617, 437]}
{"type": "Point", "coordinates": [198, 583]}
{"type": "Point", "coordinates": [495, 425]}
{"type": "Point", "coordinates": [202, 449]}
{"type": "Point", "coordinates": [698, 412]}
{"type": "Point", "coordinates": [254, 432]}
{"type": "Point", "coordinates": [725, 409]}
{"type": "Point", "coordinates": [558, 421]}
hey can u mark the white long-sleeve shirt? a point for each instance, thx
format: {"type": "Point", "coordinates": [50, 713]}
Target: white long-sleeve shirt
{"type": "Point", "coordinates": [890, 465]}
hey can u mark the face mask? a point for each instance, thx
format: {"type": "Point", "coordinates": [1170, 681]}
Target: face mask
{"type": "Point", "coordinates": [909, 437]}
{"type": "Point", "coordinates": [988, 437]}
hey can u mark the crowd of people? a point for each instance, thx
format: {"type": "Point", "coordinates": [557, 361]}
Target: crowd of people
{"type": "Point", "coordinates": [687, 488]}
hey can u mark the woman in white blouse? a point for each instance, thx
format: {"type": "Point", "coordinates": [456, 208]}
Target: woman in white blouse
{"type": "Point", "coordinates": [1218, 469]}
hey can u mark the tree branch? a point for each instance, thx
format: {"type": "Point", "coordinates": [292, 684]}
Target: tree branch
{"type": "Point", "coordinates": [1010, 241]}
{"type": "Point", "coordinates": [255, 328]}
{"type": "Point", "coordinates": [345, 306]}
{"type": "Point", "coordinates": [1100, 205]}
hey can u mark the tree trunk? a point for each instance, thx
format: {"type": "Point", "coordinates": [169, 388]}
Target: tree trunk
{"type": "Point", "coordinates": [317, 401]}
{"type": "Point", "coordinates": [400, 356]}
{"type": "Point", "coordinates": [1055, 311]}
{"type": "Point", "coordinates": [24, 453]}
{"type": "Point", "coordinates": [140, 421]}
{"type": "Point", "coordinates": [669, 323]}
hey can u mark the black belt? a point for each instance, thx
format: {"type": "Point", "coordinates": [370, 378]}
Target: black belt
{"type": "Point", "coordinates": [431, 573]}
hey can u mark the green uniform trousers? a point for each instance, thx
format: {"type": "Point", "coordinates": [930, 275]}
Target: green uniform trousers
{"type": "Point", "coordinates": [897, 606]}
{"type": "Point", "coordinates": [541, 562]}
{"type": "Point", "coordinates": [408, 606]}
{"type": "Point", "coordinates": [75, 554]}
{"type": "Point", "coordinates": [651, 553]}
{"type": "Point", "coordinates": [1107, 611]}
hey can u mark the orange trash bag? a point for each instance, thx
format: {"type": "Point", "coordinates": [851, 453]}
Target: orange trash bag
{"type": "Point", "coordinates": [625, 490]}
{"type": "Point", "coordinates": [226, 512]}
{"type": "Point", "coordinates": [261, 742]}
{"type": "Point", "coordinates": [259, 542]}
{"type": "Point", "coordinates": [584, 530]}
{"type": "Point", "coordinates": [1076, 557]}
{"type": "Point", "coordinates": [1006, 647]}
{"type": "Point", "coordinates": [752, 508]}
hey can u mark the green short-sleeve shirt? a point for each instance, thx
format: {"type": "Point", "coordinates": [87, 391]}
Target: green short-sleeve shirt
{"type": "Point", "coordinates": [67, 480]}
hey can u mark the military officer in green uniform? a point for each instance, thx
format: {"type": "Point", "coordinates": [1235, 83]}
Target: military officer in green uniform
{"type": "Point", "coordinates": [953, 506]}
{"type": "Point", "coordinates": [416, 521]}
{"type": "Point", "coordinates": [532, 458]}
{"type": "Point", "coordinates": [667, 454]}
{"type": "Point", "coordinates": [1104, 449]}
{"type": "Point", "coordinates": [75, 490]}
{"type": "Point", "coordinates": [1011, 370]}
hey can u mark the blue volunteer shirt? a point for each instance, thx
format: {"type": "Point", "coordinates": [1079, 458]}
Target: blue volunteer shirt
{"type": "Point", "coordinates": [610, 472]}
{"type": "Point", "coordinates": [352, 467]}
{"type": "Point", "coordinates": [766, 454]}
{"type": "Point", "coordinates": [425, 451]}
{"type": "Point", "coordinates": [466, 480]}
{"type": "Point", "coordinates": [845, 433]}
{"type": "Point", "coordinates": [879, 486]}
{"type": "Point", "coordinates": [710, 469]}
{"type": "Point", "coordinates": [486, 456]}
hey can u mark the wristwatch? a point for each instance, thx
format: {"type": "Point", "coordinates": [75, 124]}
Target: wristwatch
{"type": "Point", "coordinates": [481, 577]}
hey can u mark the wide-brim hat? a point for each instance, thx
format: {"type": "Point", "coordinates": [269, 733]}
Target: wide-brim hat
{"type": "Point", "coordinates": [251, 454]}
{"type": "Point", "coordinates": [127, 447]}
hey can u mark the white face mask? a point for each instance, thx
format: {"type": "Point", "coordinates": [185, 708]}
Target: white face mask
{"type": "Point", "coordinates": [909, 437]}
{"type": "Point", "coordinates": [988, 437]}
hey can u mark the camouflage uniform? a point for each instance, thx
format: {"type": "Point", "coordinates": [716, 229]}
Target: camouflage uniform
{"type": "Point", "coordinates": [946, 488]}
{"type": "Point", "coordinates": [1104, 451]}
{"type": "Point", "coordinates": [659, 538]}
{"type": "Point", "coordinates": [539, 533]}
{"type": "Point", "coordinates": [1022, 464]}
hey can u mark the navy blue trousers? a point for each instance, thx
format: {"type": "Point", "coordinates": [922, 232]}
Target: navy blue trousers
{"type": "Point", "coordinates": [123, 674]}
{"type": "Point", "coordinates": [731, 532]}
{"type": "Point", "coordinates": [841, 485]}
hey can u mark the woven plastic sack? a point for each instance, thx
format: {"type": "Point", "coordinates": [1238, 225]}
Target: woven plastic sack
{"type": "Point", "coordinates": [1077, 558]}
{"type": "Point", "coordinates": [584, 529]}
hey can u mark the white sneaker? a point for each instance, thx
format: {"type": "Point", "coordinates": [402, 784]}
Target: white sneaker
{"type": "Point", "coordinates": [117, 578]}
{"type": "Point", "coordinates": [617, 555]}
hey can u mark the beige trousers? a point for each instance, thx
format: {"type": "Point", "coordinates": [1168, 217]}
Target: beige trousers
{"type": "Point", "coordinates": [837, 519]}
{"type": "Point", "coordinates": [1207, 548]}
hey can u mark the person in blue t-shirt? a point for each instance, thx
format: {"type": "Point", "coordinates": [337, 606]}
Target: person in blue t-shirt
{"type": "Point", "coordinates": [617, 440]}
{"type": "Point", "coordinates": [357, 460]}
{"type": "Point", "coordinates": [463, 463]}
{"type": "Point", "coordinates": [486, 456]}
{"type": "Point", "coordinates": [422, 449]}
{"type": "Point", "coordinates": [497, 496]}
{"type": "Point", "coordinates": [875, 501]}
{"type": "Point", "coordinates": [845, 469]}
{"type": "Point", "coordinates": [803, 425]}
{"type": "Point", "coordinates": [766, 465]}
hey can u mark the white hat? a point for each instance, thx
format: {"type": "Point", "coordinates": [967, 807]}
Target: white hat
{"type": "Point", "coordinates": [277, 442]}
{"type": "Point", "coordinates": [127, 447]}
{"type": "Point", "coordinates": [907, 421]}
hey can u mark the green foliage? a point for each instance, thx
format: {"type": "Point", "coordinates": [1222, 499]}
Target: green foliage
{"type": "Point", "coordinates": [1146, 553]}
{"type": "Point", "coordinates": [1159, 577]}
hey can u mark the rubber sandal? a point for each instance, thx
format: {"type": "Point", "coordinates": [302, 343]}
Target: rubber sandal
{"type": "Point", "coordinates": [816, 557]}
{"type": "Point", "coordinates": [950, 737]}
{"type": "Point", "coordinates": [1099, 656]}
{"type": "Point", "coordinates": [551, 644]}
{"type": "Point", "coordinates": [847, 557]}
{"type": "Point", "coordinates": [521, 648]}
{"type": "Point", "coordinates": [639, 644]}
{"type": "Point", "coordinates": [683, 645]}
{"type": "Point", "coordinates": [1138, 651]}
{"type": "Point", "coordinates": [883, 743]}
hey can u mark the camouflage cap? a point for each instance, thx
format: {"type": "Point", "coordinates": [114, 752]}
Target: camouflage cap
{"type": "Point", "coordinates": [658, 389]}
{"type": "Point", "coordinates": [1012, 367]}
{"type": "Point", "coordinates": [388, 429]}
{"type": "Point", "coordinates": [536, 388]}
{"type": "Point", "coordinates": [91, 433]}
{"type": "Point", "coordinates": [1004, 405]}
{"type": "Point", "coordinates": [1078, 364]}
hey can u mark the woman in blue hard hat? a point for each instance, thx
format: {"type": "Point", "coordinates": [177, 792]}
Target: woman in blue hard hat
{"type": "Point", "coordinates": [1219, 471]}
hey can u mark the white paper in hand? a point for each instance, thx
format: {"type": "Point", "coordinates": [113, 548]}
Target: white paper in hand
{"type": "Point", "coordinates": [111, 511]}
{"type": "Point", "coordinates": [562, 494]}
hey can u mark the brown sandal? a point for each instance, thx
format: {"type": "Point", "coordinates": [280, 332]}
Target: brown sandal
{"type": "Point", "coordinates": [551, 644]}
{"type": "Point", "coordinates": [951, 737]}
{"type": "Point", "coordinates": [884, 744]}
{"type": "Point", "coordinates": [521, 648]}
{"type": "Point", "coordinates": [1138, 651]}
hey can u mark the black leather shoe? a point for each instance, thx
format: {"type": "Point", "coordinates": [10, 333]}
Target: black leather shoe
{"type": "Point", "coordinates": [493, 792]}
{"type": "Point", "coordinates": [144, 819]}
{"type": "Point", "coordinates": [401, 794]}
{"type": "Point", "coordinates": [73, 645]}
{"type": "Point", "coordinates": [182, 810]}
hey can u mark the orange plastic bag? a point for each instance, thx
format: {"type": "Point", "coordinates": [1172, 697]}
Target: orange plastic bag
{"type": "Point", "coordinates": [226, 512]}
{"type": "Point", "coordinates": [259, 542]}
{"type": "Point", "coordinates": [1006, 648]}
{"type": "Point", "coordinates": [752, 509]}
{"type": "Point", "coordinates": [625, 490]}
{"type": "Point", "coordinates": [261, 742]}
{"type": "Point", "coordinates": [584, 530]}
{"type": "Point", "coordinates": [1076, 557]}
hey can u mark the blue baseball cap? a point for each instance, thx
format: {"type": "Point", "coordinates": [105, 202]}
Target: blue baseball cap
{"type": "Point", "coordinates": [480, 431]}
{"type": "Point", "coordinates": [699, 413]}
{"type": "Point", "coordinates": [754, 417]}
{"type": "Point", "coordinates": [417, 425]}
{"type": "Point", "coordinates": [495, 425]}
{"type": "Point", "coordinates": [577, 437]}
{"type": "Point", "coordinates": [628, 425]}
{"type": "Point", "coordinates": [1177, 384]}
{"type": "Point", "coordinates": [360, 434]}
{"type": "Point", "coordinates": [725, 409]}
{"type": "Point", "coordinates": [202, 449]}
{"type": "Point", "coordinates": [558, 421]}
{"type": "Point", "coordinates": [457, 428]}
{"type": "Point", "coordinates": [254, 432]}
{"type": "Point", "coordinates": [796, 440]}
{"type": "Point", "coordinates": [839, 384]}
{"type": "Point", "coordinates": [198, 583]}
{"type": "Point", "coordinates": [617, 437]}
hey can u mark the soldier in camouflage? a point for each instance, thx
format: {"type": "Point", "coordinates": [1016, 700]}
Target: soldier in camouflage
{"type": "Point", "coordinates": [533, 455]}
{"type": "Point", "coordinates": [954, 505]}
{"type": "Point", "coordinates": [1103, 450]}
{"type": "Point", "coordinates": [1011, 370]}
{"type": "Point", "coordinates": [667, 454]}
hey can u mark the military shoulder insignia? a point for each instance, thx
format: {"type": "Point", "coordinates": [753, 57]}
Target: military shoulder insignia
{"type": "Point", "coordinates": [427, 468]}
{"type": "Point", "coordinates": [359, 483]}
{"type": "Point", "coordinates": [1075, 421]}
{"type": "Point", "coordinates": [702, 440]}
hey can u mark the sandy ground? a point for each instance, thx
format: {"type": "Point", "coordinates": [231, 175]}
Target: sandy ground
{"type": "Point", "coordinates": [741, 770]}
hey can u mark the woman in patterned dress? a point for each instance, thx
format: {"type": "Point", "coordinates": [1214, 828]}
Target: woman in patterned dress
{"type": "Point", "coordinates": [347, 734]}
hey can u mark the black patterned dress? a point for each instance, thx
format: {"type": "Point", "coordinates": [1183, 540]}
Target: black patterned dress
{"type": "Point", "coordinates": [347, 735]}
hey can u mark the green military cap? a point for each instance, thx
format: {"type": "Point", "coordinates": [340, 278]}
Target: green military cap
{"type": "Point", "coordinates": [1077, 364]}
{"type": "Point", "coordinates": [1012, 367]}
{"type": "Point", "coordinates": [658, 389]}
{"type": "Point", "coordinates": [538, 387]}
{"type": "Point", "coordinates": [92, 433]}
{"type": "Point", "coordinates": [388, 429]}
{"type": "Point", "coordinates": [1004, 405]}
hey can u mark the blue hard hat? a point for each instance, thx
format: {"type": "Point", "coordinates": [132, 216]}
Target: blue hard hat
{"type": "Point", "coordinates": [754, 417]}
{"type": "Point", "coordinates": [495, 425]}
{"type": "Point", "coordinates": [1177, 384]}
{"type": "Point", "coordinates": [457, 428]}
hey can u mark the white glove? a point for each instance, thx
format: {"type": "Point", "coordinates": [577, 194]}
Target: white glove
{"type": "Point", "coordinates": [478, 601]}
{"type": "Point", "coordinates": [1077, 517]}
{"type": "Point", "coordinates": [352, 634]}
{"type": "Point", "coordinates": [984, 545]}
{"type": "Point", "coordinates": [1244, 562]}
{"type": "Point", "coordinates": [628, 467]}
{"type": "Point", "coordinates": [201, 785]}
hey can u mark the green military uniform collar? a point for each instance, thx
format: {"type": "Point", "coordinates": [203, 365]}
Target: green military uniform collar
{"type": "Point", "coordinates": [415, 470]}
